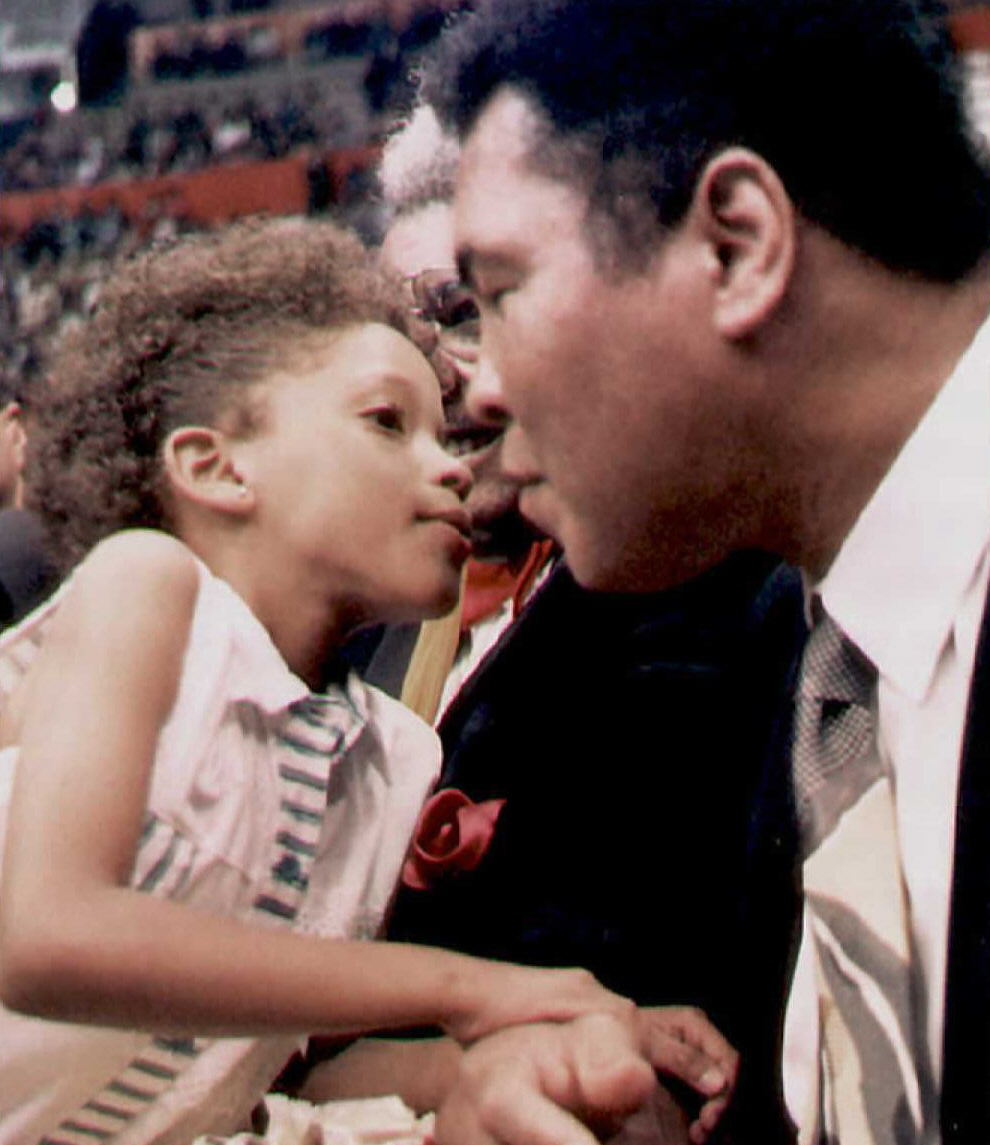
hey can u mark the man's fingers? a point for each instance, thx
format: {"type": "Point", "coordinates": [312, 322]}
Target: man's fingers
{"type": "Point", "coordinates": [708, 1117]}
{"type": "Point", "coordinates": [686, 1063]}
{"type": "Point", "coordinates": [683, 1043]}
{"type": "Point", "coordinates": [689, 1024]}
{"type": "Point", "coordinates": [543, 1084]}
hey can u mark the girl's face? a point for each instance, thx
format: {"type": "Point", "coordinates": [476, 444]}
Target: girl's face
{"type": "Point", "coordinates": [351, 478]}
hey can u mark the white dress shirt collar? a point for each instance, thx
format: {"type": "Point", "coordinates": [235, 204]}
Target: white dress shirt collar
{"type": "Point", "coordinates": [924, 531]}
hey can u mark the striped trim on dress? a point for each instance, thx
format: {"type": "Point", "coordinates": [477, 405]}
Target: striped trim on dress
{"type": "Point", "coordinates": [317, 731]}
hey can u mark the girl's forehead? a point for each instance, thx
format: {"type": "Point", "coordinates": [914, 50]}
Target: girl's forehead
{"type": "Point", "coordinates": [358, 356]}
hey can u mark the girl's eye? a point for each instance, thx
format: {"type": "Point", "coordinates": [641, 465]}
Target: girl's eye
{"type": "Point", "coordinates": [389, 418]}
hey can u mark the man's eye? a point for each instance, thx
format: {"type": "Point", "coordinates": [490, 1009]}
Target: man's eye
{"type": "Point", "coordinates": [389, 418]}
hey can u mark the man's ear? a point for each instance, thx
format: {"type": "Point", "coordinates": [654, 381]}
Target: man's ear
{"type": "Point", "coordinates": [201, 469]}
{"type": "Point", "coordinates": [749, 221]}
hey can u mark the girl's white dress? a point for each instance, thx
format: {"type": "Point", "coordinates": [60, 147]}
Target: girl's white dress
{"type": "Point", "coordinates": [267, 803]}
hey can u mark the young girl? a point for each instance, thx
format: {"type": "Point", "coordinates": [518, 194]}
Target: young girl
{"type": "Point", "coordinates": [244, 452]}
{"type": "Point", "coordinates": [249, 451]}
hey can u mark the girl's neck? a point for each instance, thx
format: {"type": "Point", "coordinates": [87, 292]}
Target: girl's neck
{"type": "Point", "coordinates": [306, 624]}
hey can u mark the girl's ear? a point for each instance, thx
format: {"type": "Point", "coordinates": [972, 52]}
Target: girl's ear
{"type": "Point", "coordinates": [200, 468]}
{"type": "Point", "coordinates": [749, 221]}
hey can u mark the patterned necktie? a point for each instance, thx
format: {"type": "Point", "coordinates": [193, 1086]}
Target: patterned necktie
{"type": "Point", "coordinates": [875, 1081]}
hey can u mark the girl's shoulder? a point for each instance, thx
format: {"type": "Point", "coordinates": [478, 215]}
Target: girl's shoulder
{"type": "Point", "coordinates": [138, 586]}
{"type": "Point", "coordinates": [139, 581]}
{"type": "Point", "coordinates": [126, 570]}
{"type": "Point", "coordinates": [130, 602]}
{"type": "Point", "coordinates": [139, 558]}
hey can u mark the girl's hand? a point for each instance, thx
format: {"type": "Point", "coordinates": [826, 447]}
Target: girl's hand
{"type": "Point", "coordinates": [502, 994]}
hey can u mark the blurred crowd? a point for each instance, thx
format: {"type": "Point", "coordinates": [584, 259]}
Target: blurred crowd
{"type": "Point", "coordinates": [196, 125]}
{"type": "Point", "coordinates": [50, 277]}
{"type": "Point", "coordinates": [343, 81]}
{"type": "Point", "coordinates": [182, 136]}
{"type": "Point", "coordinates": [194, 52]}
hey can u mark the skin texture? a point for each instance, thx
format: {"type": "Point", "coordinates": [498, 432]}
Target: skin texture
{"type": "Point", "coordinates": [546, 308]}
{"type": "Point", "coordinates": [350, 464]}
{"type": "Point", "coordinates": [521, 1082]}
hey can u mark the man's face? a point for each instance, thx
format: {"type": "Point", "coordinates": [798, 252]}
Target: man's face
{"type": "Point", "coordinates": [423, 240]}
{"type": "Point", "coordinates": [625, 438]}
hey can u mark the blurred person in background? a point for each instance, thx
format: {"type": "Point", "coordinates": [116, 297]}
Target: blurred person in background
{"type": "Point", "coordinates": [26, 571]}
{"type": "Point", "coordinates": [509, 555]}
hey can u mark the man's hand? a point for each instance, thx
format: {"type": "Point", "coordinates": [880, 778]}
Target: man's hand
{"type": "Point", "coordinates": [571, 1083]}
{"type": "Point", "coordinates": [661, 1121]}
{"type": "Point", "coordinates": [682, 1044]}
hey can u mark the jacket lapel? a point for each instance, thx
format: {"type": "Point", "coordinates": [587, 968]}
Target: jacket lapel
{"type": "Point", "coordinates": [965, 1103]}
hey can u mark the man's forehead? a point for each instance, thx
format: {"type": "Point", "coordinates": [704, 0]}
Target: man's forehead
{"type": "Point", "coordinates": [500, 195]}
{"type": "Point", "coordinates": [508, 121]}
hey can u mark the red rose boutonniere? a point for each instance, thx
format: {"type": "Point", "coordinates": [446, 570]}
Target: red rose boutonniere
{"type": "Point", "coordinates": [452, 834]}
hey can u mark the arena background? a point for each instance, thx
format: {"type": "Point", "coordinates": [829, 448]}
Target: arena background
{"type": "Point", "coordinates": [124, 121]}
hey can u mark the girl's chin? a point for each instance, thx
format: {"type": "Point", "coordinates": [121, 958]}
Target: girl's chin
{"type": "Point", "coordinates": [445, 603]}
{"type": "Point", "coordinates": [433, 605]}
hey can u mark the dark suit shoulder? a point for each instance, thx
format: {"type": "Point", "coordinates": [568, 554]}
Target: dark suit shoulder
{"type": "Point", "coordinates": [626, 736]}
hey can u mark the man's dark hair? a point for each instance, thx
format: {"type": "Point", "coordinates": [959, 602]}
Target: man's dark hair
{"type": "Point", "coordinates": [857, 105]}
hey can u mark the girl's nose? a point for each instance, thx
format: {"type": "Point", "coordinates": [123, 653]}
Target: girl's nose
{"type": "Point", "coordinates": [454, 474]}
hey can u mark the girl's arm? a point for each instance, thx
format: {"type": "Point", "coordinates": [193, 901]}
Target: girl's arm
{"type": "Point", "coordinates": [678, 1041]}
{"type": "Point", "coordinates": [76, 943]}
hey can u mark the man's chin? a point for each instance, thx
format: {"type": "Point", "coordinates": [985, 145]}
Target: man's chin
{"type": "Point", "coordinates": [593, 562]}
{"type": "Point", "coordinates": [605, 565]}
{"type": "Point", "coordinates": [600, 575]}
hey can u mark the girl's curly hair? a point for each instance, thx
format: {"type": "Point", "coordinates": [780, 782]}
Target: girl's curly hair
{"type": "Point", "coordinates": [175, 333]}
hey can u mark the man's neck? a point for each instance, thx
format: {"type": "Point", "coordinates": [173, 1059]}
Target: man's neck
{"type": "Point", "coordinates": [882, 347]}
